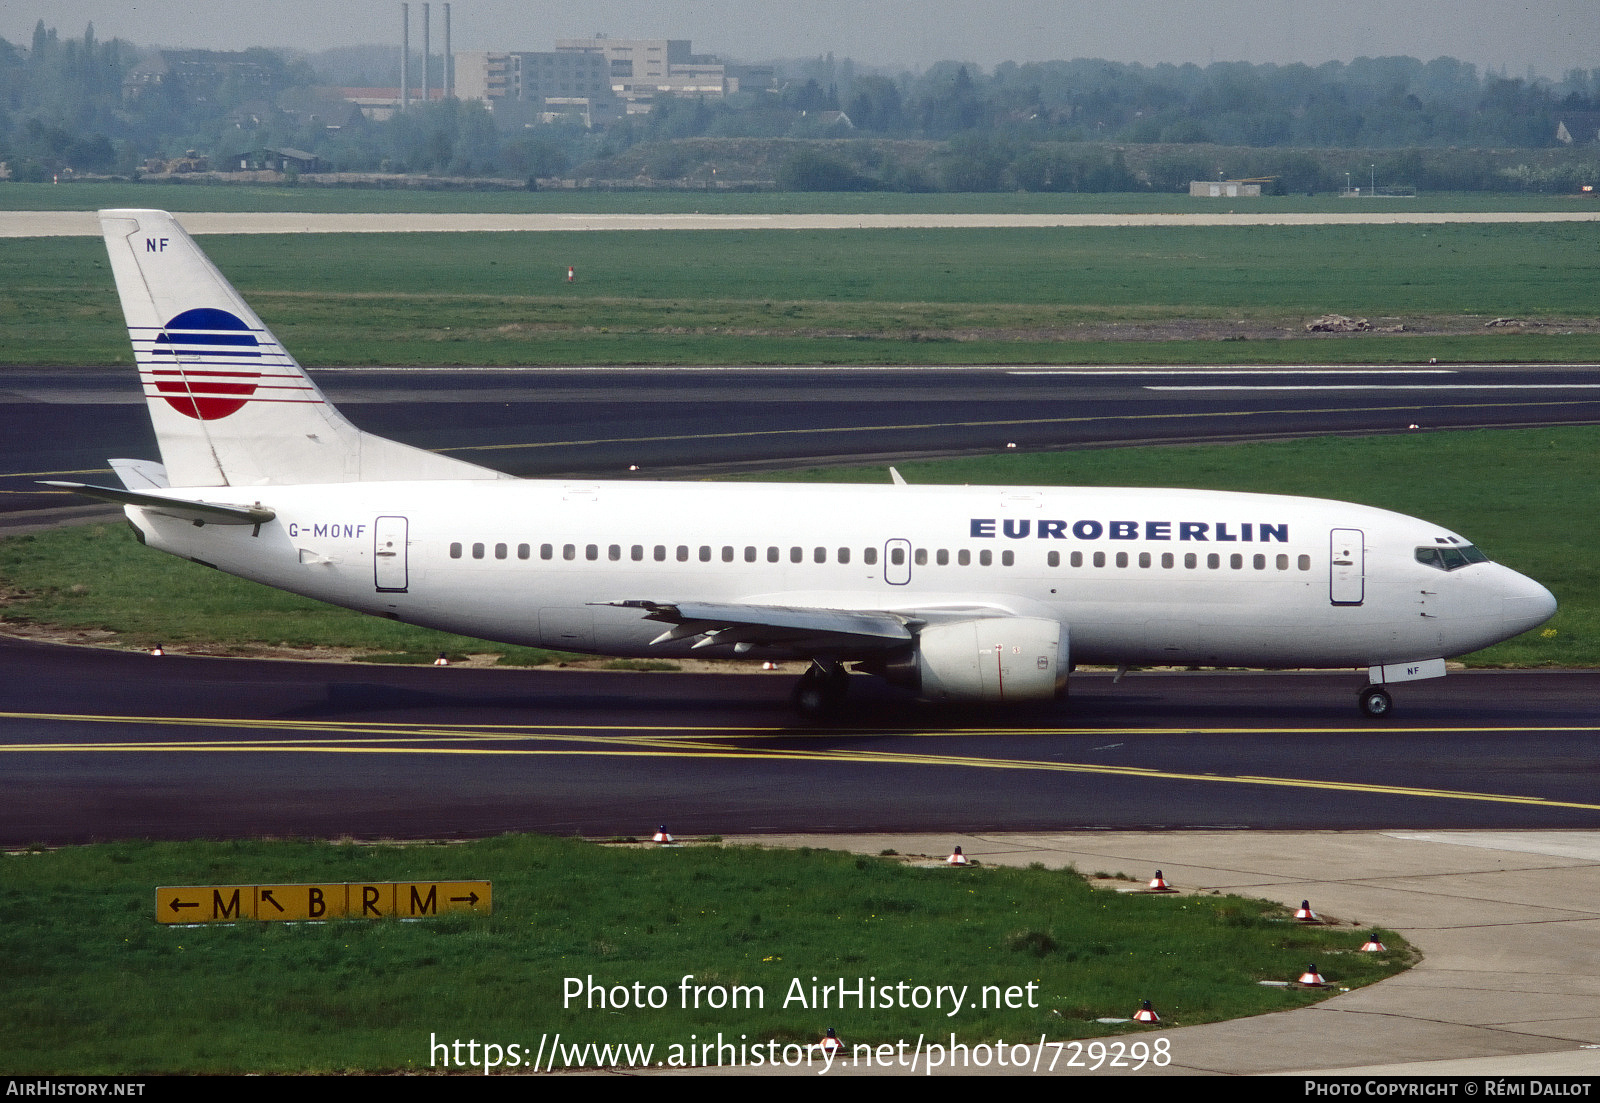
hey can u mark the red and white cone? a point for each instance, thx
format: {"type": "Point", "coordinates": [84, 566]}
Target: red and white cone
{"type": "Point", "coordinates": [661, 835]}
{"type": "Point", "coordinates": [442, 660]}
{"type": "Point", "coordinates": [1311, 978]}
{"type": "Point", "coordinates": [1146, 1013]}
{"type": "Point", "coordinates": [572, 274]}
{"type": "Point", "coordinates": [157, 651]}
{"type": "Point", "coordinates": [1373, 946]}
{"type": "Point", "coordinates": [1157, 884]}
{"type": "Point", "coordinates": [830, 1042]}
{"type": "Point", "coordinates": [956, 858]}
{"type": "Point", "coordinates": [1304, 913]}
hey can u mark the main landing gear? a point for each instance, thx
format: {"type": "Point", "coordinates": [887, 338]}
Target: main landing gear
{"type": "Point", "coordinates": [821, 688]}
{"type": "Point", "coordinates": [1375, 702]}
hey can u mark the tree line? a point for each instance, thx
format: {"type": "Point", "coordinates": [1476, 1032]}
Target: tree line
{"type": "Point", "coordinates": [1081, 125]}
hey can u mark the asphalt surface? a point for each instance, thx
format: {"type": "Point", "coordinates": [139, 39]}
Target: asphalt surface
{"type": "Point", "coordinates": [677, 422]}
{"type": "Point", "coordinates": [99, 745]}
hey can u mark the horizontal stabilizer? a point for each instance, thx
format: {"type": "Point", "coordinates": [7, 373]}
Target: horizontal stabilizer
{"type": "Point", "coordinates": [210, 513]}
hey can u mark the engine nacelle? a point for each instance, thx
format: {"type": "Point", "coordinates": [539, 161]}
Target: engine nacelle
{"type": "Point", "coordinates": [990, 659]}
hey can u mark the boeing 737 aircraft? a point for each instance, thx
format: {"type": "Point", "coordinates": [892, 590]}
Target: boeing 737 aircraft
{"type": "Point", "coordinates": [958, 593]}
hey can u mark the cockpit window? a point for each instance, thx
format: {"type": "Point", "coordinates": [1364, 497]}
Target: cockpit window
{"type": "Point", "coordinates": [1450, 558]}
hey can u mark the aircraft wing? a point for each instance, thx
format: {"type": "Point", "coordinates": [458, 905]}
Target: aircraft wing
{"type": "Point", "coordinates": [748, 626]}
{"type": "Point", "coordinates": [209, 513]}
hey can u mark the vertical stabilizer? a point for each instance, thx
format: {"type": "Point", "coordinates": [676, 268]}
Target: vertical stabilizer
{"type": "Point", "coordinates": [230, 407]}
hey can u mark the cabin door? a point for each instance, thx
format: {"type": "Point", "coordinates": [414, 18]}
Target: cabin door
{"type": "Point", "coordinates": [389, 569]}
{"type": "Point", "coordinates": [1347, 567]}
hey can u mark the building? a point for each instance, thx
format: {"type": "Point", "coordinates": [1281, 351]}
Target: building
{"type": "Point", "coordinates": [1224, 189]}
{"type": "Point", "coordinates": [533, 86]}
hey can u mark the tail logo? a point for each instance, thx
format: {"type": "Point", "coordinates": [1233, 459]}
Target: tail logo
{"type": "Point", "coordinates": [211, 353]}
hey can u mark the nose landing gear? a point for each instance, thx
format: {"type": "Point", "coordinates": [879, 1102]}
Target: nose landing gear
{"type": "Point", "coordinates": [1375, 702]}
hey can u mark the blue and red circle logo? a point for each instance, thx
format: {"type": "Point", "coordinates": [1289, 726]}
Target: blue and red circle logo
{"type": "Point", "coordinates": [211, 352]}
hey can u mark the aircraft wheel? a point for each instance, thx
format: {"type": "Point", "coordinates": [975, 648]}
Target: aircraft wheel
{"type": "Point", "coordinates": [1375, 702]}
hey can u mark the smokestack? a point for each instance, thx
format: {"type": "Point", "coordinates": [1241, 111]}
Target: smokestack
{"type": "Point", "coordinates": [405, 56]}
{"type": "Point", "coordinates": [449, 59]}
{"type": "Point", "coordinates": [427, 19]}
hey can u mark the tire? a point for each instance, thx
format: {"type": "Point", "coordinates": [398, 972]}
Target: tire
{"type": "Point", "coordinates": [1375, 702]}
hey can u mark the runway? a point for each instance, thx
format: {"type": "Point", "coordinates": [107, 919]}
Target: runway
{"type": "Point", "coordinates": [99, 744]}
{"type": "Point", "coordinates": [85, 223]}
{"type": "Point", "coordinates": [686, 422]}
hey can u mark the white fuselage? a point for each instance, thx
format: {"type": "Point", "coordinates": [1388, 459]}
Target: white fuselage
{"type": "Point", "coordinates": [1134, 576]}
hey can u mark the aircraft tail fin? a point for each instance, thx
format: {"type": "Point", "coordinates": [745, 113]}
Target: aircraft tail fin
{"type": "Point", "coordinates": [230, 406]}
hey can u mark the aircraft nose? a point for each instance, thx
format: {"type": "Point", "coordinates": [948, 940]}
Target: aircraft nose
{"type": "Point", "coordinates": [1524, 604]}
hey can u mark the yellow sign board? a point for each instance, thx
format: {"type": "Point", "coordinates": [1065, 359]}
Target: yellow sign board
{"type": "Point", "coordinates": [312, 903]}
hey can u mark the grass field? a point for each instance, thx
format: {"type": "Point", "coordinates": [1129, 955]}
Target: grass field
{"type": "Point", "coordinates": [93, 985]}
{"type": "Point", "coordinates": [1123, 295]}
{"type": "Point", "coordinates": [1516, 493]}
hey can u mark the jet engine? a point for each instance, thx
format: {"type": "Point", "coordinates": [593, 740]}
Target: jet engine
{"type": "Point", "coordinates": [990, 659]}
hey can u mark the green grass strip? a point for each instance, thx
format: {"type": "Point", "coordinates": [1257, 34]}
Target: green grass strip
{"type": "Point", "coordinates": [93, 985]}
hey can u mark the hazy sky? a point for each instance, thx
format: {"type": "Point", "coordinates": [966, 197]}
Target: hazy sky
{"type": "Point", "coordinates": [1552, 36]}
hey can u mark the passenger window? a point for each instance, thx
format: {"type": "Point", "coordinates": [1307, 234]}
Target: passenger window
{"type": "Point", "coordinates": [1190, 561]}
{"type": "Point", "coordinates": [500, 551]}
{"type": "Point", "coordinates": [683, 553]}
{"type": "Point", "coordinates": [1213, 561]}
{"type": "Point", "coordinates": [477, 551]}
{"type": "Point", "coordinates": [637, 552]}
{"type": "Point", "coordinates": [943, 558]}
{"type": "Point", "coordinates": [455, 550]}
{"type": "Point", "coordinates": [797, 555]}
{"type": "Point", "coordinates": [1077, 559]}
{"type": "Point", "coordinates": [1053, 559]}
{"type": "Point", "coordinates": [844, 555]}
{"type": "Point", "coordinates": [1236, 561]}
{"type": "Point", "coordinates": [749, 554]}
{"type": "Point", "coordinates": [922, 557]}
{"type": "Point", "coordinates": [591, 552]}
{"type": "Point", "coordinates": [772, 555]}
{"type": "Point", "coordinates": [1305, 562]}
{"type": "Point", "coordinates": [869, 556]}
{"type": "Point", "coordinates": [524, 551]}
{"type": "Point", "coordinates": [964, 558]}
{"type": "Point", "coordinates": [661, 553]}
{"type": "Point", "coordinates": [1099, 559]}
{"type": "Point", "coordinates": [614, 552]}
{"type": "Point", "coordinates": [1144, 559]}
{"type": "Point", "coordinates": [985, 558]}
{"type": "Point", "coordinates": [1008, 558]}
{"type": "Point", "coordinates": [1283, 562]}
{"type": "Point", "coordinates": [705, 553]}
{"type": "Point", "coordinates": [897, 556]}
{"type": "Point", "coordinates": [1167, 560]}
{"type": "Point", "coordinates": [547, 551]}
{"type": "Point", "coordinates": [1259, 562]}
{"type": "Point", "coordinates": [727, 553]}
{"type": "Point", "coordinates": [819, 555]}
{"type": "Point", "coordinates": [1122, 559]}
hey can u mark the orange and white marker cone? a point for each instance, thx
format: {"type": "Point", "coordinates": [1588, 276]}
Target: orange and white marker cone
{"type": "Point", "coordinates": [572, 275]}
{"type": "Point", "coordinates": [1305, 915]}
{"type": "Point", "coordinates": [1311, 978]}
{"type": "Point", "coordinates": [157, 651]}
{"type": "Point", "coordinates": [661, 835]}
{"type": "Point", "coordinates": [830, 1042]}
{"type": "Point", "coordinates": [1146, 1013]}
{"type": "Point", "coordinates": [956, 858]}
{"type": "Point", "coordinates": [1373, 946]}
{"type": "Point", "coordinates": [442, 660]}
{"type": "Point", "coordinates": [1157, 884]}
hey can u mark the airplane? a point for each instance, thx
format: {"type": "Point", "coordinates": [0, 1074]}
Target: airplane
{"type": "Point", "coordinates": [959, 593]}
